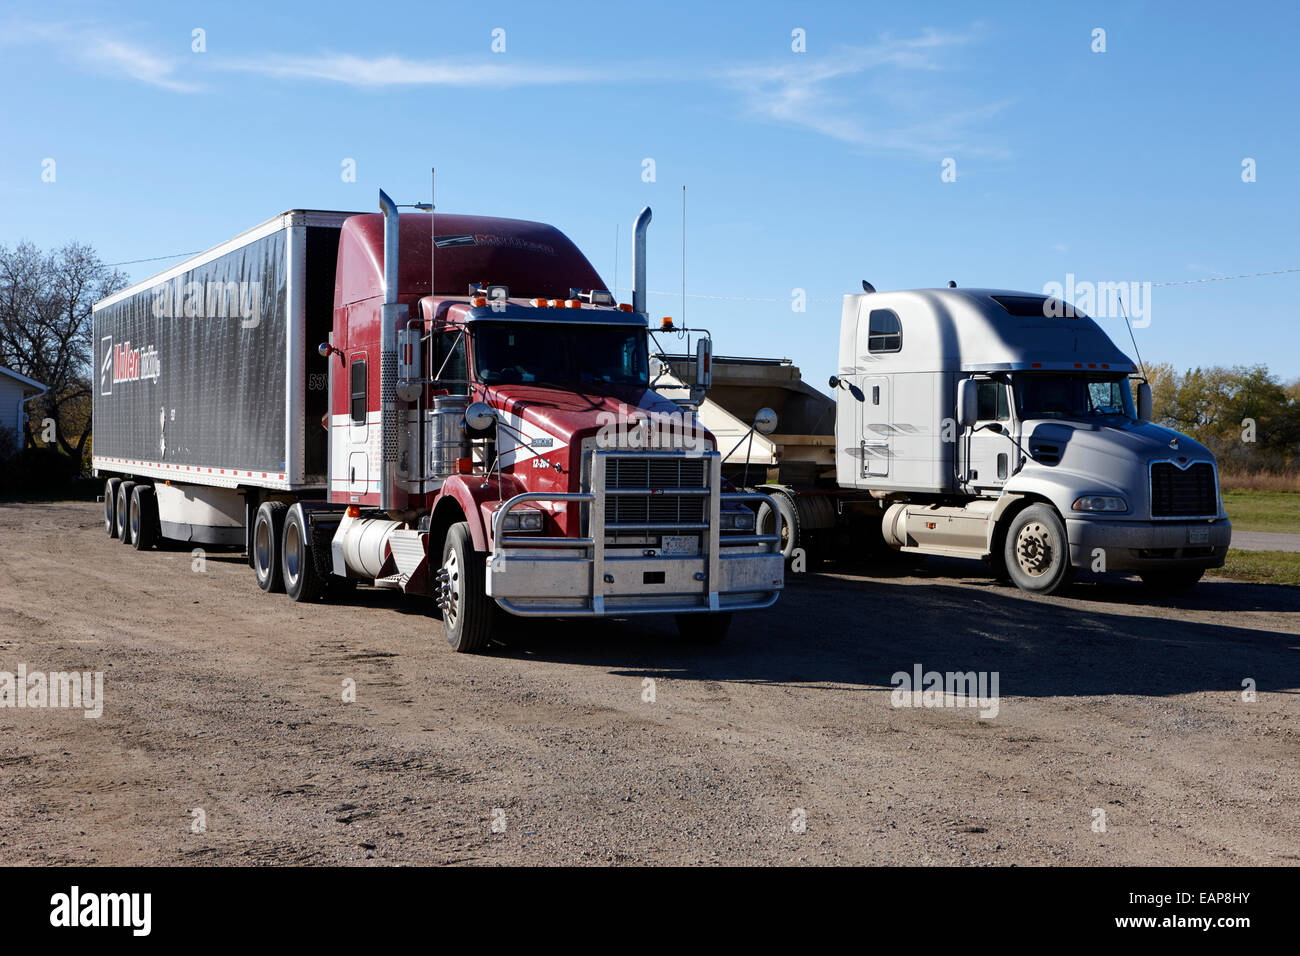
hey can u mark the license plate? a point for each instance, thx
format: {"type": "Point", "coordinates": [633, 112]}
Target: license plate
{"type": "Point", "coordinates": [1198, 535]}
{"type": "Point", "coordinates": [679, 544]}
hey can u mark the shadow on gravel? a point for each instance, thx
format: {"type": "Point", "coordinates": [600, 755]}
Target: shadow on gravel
{"type": "Point", "coordinates": [845, 629]}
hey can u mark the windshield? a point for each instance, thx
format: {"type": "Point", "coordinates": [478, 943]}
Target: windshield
{"type": "Point", "coordinates": [560, 354]}
{"type": "Point", "coordinates": [1073, 396]}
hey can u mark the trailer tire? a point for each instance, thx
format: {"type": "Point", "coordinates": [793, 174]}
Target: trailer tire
{"type": "Point", "coordinates": [790, 536]}
{"type": "Point", "coordinates": [461, 592]}
{"type": "Point", "coordinates": [268, 529]}
{"type": "Point", "coordinates": [123, 516]}
{"type": "Point", "coordinates": [143, 518]}
{"type": "Point", "coordinates": [110, 506]}
{"type": "Point", "coordinates": [302, 580]}
{"type": "Point", "coordinates": [1037, 551]}
{"type": "Point", "coordinates": [704, 628]}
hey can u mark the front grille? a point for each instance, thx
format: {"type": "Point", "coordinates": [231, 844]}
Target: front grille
{"type": "Point", "coordinates": [1183, 492]}
{"type": "Point", "coordinates": [658, 474]}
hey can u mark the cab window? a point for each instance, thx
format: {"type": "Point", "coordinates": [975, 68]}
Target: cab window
{"type": "Point", "coordinates": [994, 406]}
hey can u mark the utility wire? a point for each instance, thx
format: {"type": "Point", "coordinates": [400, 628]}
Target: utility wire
{"type": "Point", "coordinates": [752, 298]}
{"type": "Point", "coordinates": [131, 262]}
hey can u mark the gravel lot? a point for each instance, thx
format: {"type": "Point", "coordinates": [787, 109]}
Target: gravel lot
{"type": "Point", "coordinates": [225, 700]}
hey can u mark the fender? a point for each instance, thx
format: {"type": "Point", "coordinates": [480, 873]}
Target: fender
{"type": "Point", "coordinates": [471, 493]}
{"type": "Point", "coordinates": [1006, 500]}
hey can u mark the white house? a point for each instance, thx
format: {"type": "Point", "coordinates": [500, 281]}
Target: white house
{"type": "Point", "coordinates": [15, 390]}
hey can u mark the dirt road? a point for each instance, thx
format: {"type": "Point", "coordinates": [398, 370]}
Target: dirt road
{"type": "Point", "coordinates": [780, 746]}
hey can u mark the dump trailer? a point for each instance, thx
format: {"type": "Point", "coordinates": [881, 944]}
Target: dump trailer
{"type": "Point", "coordinates": [452, 406]}
{"type": "Point", "coordinates": [794, 463]}
{"type": "Point", "coordinates": [987, 424]}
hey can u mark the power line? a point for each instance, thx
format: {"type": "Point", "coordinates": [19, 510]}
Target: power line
{"type": "Point", "coordinates": [753, 298]}
{"type": "Point", "coordinates": [131, 262]}
{"type": "Point", "coordinates": [1244, 275]}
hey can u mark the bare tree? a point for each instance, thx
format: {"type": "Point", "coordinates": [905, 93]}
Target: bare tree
{"type": "Point", "coordinates": [46, 327]}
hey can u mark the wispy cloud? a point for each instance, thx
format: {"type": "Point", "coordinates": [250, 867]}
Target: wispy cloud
{"type": "Point", "coordinates": [99, 51]}
{"type": "Point", "coordinates": [896, 95]}
{"type": "Point", "coordinates": [389, 70]}
{"type": "Point", "coordinates": [119, 56]}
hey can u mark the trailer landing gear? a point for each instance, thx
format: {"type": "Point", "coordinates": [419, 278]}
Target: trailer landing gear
{"type": "Point", "coordinates": [461, 592]}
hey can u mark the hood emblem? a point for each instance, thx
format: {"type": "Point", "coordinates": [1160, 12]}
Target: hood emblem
{"type": "Point", "coordinates": [1173, 443]}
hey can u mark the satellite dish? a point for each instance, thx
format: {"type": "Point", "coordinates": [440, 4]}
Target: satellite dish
{"type": "Point", "coordinates": [479, 416]}
{"type": "Point", "coordinates": [765, 421]}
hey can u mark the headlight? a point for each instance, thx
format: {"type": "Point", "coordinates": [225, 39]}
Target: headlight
{"type": "Point", "coordinates": [1100, 503]}
{"type": "Point", "coordinates": [530, 520]}
{"type": "Point", "coordinates": [736, 520]}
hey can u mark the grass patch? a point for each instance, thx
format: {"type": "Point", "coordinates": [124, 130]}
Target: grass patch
{"type": "Point", "coordinates": [1262, 567]}
{"type": "Point", "coordinates": [1288, 480]}
{"type": "Point", "coordinates": [1277, 511]}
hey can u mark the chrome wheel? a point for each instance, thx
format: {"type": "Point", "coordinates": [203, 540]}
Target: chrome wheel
{"type": "Point", "coordinates": [262, 546]}
{"type": "Point", "coordinates": [449, 589]}
{"type": "Point", "coordinates": [293, 556]}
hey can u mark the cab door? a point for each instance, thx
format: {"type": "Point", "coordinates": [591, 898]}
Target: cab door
{"type": "Point", "coordinates": [877, 426]}
{"type": "Point", "coordinates": [358, 427]}
{"type": "Point", "coordinates": [988, 457]}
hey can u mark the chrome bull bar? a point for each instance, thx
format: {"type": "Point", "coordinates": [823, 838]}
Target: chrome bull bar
{"type": "Point", "coordinates": [530, 575]}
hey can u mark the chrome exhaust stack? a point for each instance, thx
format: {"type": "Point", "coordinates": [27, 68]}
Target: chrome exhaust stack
{"type": "Point", "coordinates": [392, 316]}
{"type": "Point", "coordinates": [638, 268]}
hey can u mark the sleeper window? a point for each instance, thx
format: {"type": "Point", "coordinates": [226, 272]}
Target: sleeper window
{"type": "Point", "coordinates": [358, 390]}
{"type": "Point", "coordinates": [884, 332]}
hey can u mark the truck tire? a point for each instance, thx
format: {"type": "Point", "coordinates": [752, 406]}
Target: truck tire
{"type": "Point", "coordinates": [268, 529]}
{"type": "Point", "coordinates": [1173, 580]}
{"type": "Point", "coordinates": [790, 537]}
{"type": "Point", "coordinates": [1037, 552]}
{"type": "Point", "coordinates": [302, 580]}
{"type": "Point", "coordinates": [110, 506]}
{"type": "Point", "coordinates": [123, 516]}
{"type": "Point", "coordinates": [143, 518]}
{"type": "Point", "coordinates": [461, 592]}
{"type": "Point", "coordinates": [704, 628]}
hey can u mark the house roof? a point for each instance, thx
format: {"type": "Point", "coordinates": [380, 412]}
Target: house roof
{"type": "Point", "coordinates": [31, 383]}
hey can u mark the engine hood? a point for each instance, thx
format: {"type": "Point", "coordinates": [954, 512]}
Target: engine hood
{"type": "Point", "coordinates": [1124, 439]}
{"type": "Point", "coordinates": [1077, 457]}
{"type": "Point", "coordinates": [569, 413]}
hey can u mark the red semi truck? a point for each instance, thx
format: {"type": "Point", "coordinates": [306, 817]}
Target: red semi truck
{"type": "Point", "coordinates": [476, 424]}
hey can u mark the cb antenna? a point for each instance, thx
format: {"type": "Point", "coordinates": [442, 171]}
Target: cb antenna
{"type": "Point", "coordinates": [1132, 337]}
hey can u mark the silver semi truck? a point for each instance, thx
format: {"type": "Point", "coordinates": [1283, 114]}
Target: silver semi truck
{"type": "Point", "coordinates": [977, 423]}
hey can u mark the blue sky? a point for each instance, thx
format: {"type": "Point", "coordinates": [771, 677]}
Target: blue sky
{"type": "Point", "coordinates": [804, 170]}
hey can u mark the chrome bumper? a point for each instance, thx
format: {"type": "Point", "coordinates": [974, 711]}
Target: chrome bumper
{"type": "Point", "coordinates": [584, 577]}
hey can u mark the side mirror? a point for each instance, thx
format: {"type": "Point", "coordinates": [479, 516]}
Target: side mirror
{"type": "Point", "coordinates": [834, 381]}
{"type": "Point", "coordinates": [704, 364]}
{"type": "Point", "coordinates": [765, 421]}
{"type": "Point", "coordinates": [479, 416]}
{"type": "Point", "coordinates": [968, 409]}
{"type": "Point", "coordinates": [1146, 406]}
{"type": "Point", "coordinates": [995, 428]}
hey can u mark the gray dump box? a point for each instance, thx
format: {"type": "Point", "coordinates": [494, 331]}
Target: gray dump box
{"type": "Point", "coordinates": [202, 370]}
{"type": "Point", "coordinates": [802, 449]}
